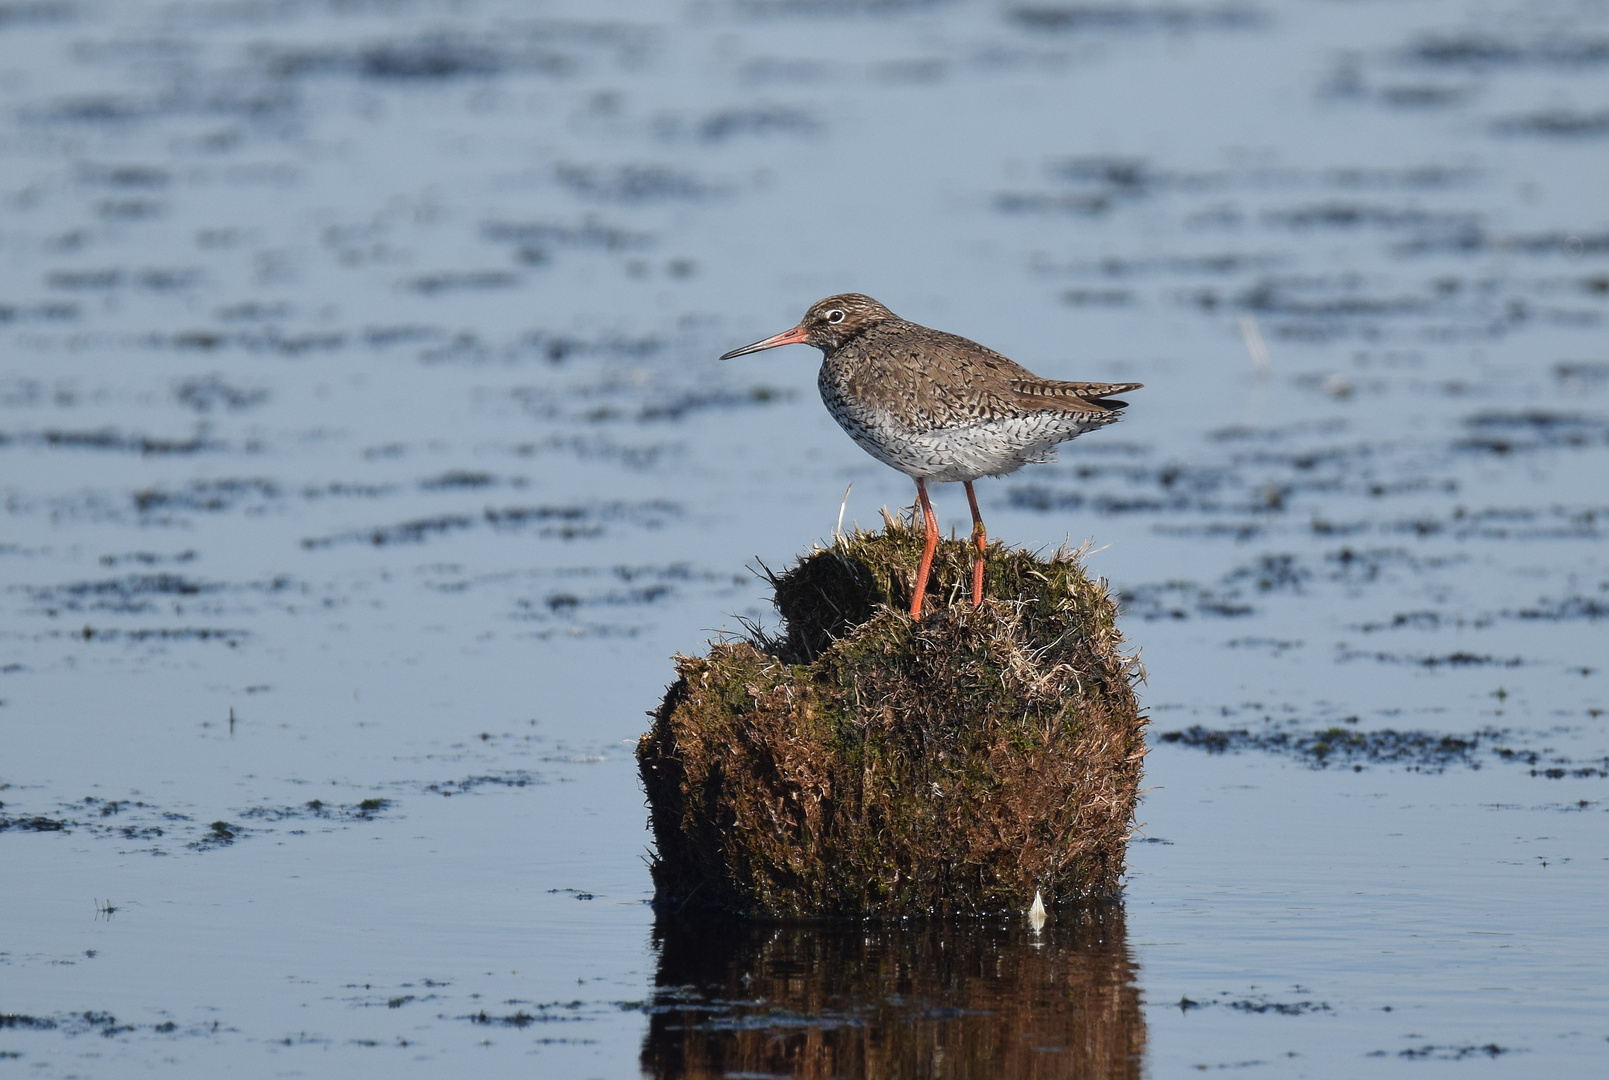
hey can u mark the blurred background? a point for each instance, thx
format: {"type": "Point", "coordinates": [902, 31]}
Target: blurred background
{"type": "Point", "coordinates": [364, 459]}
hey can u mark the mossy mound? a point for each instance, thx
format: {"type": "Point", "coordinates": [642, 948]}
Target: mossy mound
{"type": "Point", "coordinates": [867, 764]}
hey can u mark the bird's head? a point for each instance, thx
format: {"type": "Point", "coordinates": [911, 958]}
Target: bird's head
{"type": "Point", "coordinates": [828, 325]}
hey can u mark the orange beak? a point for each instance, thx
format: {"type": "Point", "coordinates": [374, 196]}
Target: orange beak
{"type": "Point", "coordinates": [796, 336]}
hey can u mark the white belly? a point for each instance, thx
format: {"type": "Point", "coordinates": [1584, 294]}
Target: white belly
{"type": "Point", "coordinates": [965, 452]}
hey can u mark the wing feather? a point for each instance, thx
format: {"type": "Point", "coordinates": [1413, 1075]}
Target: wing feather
{"type": "Point", "coordinates": [922, 374]}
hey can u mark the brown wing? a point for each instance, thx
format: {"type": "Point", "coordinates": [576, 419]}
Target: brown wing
{"type": "Point", "coordinates": [930, 378]}
{"type": "Point", "coordinates": [986, 372]}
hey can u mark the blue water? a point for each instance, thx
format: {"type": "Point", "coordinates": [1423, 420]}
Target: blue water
{"type": "Point", "coordinates": [358, 383]}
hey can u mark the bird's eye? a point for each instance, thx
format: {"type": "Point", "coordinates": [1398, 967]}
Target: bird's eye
{"type": "Point", "coordinates": [835, 316]}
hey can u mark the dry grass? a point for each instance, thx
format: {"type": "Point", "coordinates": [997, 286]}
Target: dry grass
{"type": "Point", "coordinates": [865, 764]}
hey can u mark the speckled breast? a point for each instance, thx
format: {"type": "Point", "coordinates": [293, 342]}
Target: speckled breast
{"type": "Point", "coordinates": [964, 451]}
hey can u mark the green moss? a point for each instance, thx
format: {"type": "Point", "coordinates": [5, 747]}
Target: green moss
{"type": "Point", "coordinates": [862, 763]}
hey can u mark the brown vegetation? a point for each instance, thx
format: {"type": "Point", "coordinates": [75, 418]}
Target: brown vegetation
{"type": "Point", "coordinates": [865, 764]}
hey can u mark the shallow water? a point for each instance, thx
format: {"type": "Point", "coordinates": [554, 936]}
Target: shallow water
{"type": "Point", "coordinates": [365, 458]}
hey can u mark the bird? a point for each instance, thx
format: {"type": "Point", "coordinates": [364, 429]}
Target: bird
{"type": "Point", "coordinates": [938, 407]}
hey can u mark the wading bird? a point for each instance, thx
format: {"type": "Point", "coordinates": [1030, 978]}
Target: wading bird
{"type": "Point", "coordinates": [938, 407]}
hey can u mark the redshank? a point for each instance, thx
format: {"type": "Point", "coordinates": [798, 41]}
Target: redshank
{"type": "Point", "coordinates": [938, 407]}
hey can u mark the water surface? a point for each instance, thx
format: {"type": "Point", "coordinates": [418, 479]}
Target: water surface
{"type": "Point", "coordinates": [364, 460]}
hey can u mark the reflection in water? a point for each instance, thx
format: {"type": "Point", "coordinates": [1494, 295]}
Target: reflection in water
{"type": "Point", "coordinates": [944, 999]}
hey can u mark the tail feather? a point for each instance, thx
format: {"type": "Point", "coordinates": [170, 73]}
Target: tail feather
{"type": "Point", "coordinates": [1077, 396]}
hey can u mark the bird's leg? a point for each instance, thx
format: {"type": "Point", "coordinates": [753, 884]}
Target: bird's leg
{"type": "Point", "coordinates": [929, 544]}
{"type": "Point", "coordinates": [980, 538]}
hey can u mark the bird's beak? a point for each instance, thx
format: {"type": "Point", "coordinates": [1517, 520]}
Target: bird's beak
{"type": "Point", "coordinates": [796, 336]}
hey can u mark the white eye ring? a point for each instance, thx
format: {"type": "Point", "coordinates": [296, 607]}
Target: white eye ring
{"type": "Point", "coordinates": [835, 316]}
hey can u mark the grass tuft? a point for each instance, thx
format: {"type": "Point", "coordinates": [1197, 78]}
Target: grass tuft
{"type": "Point", "coordinates": [863, 764]}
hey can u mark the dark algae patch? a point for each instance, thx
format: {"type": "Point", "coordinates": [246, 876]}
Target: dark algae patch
{"type": "Point", "coordinates": [1261, 1005]}
{"type": "Point", "coordinates": [163, 831]}
{"type": "Point", "coordinates": [1421, 751]}
{"type": "Point", "coordinates": [218, 834]}
{"type": "Point", "coordinates": [1447, 1053]}
{"type": "Point", "coordinates": [366, 810]}
{"type": "Point", "coordinates": [33, 824]}
{"type": "Point", "coordinates": [864, 764]}
{"type": "Point", "coordinates": [1416, 751]}
{"type": "Point", "coordinates": [77, 1023]}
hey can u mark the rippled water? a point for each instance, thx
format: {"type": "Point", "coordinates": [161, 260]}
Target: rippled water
{"type": "Point", "coordinates": [364, 460]}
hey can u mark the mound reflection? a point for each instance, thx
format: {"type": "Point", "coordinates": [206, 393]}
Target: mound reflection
{"type": "Point", "coordinates": [943, 999]}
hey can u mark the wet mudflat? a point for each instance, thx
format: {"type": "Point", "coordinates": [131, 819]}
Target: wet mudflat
{"type": "Point", "coordinates": [364, 460]}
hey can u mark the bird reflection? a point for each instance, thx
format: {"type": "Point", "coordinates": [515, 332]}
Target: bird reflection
{"type": "Point", "coordinates": [940, 999]}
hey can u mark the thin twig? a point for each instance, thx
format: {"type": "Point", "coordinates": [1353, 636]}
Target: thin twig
{"type": "Point", "coordinates": [1255, 345]}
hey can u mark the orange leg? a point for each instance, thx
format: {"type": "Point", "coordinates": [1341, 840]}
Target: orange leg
{"type": "Point", "coordinates": [928, 546]}
{"type": "Point", "coordinates": [981, 539]}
